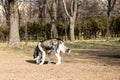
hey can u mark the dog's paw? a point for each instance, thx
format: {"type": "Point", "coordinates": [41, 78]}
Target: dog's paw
{"type": "Point", "coordinates": [37, 63]}
{"type": "Point", "coordinates": [41, 64]}
{"type": "Point", "coordinates": [49, 63]}
{"type": "Point", "coordinates": [58, 63]}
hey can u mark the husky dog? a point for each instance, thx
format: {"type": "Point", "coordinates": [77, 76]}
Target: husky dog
{"type": "Point", "coordinates": [47, 47]}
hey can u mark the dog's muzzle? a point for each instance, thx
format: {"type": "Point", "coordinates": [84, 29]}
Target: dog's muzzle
{"type": "Point", "coordinates": [68, 51]}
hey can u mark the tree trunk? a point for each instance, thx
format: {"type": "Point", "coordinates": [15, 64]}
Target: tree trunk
{"type": "Point", "coordinates": [65, 25]}
{"type": "Point", "coordinates": [72, 25]}
{"type": "Point", "coordinates": [54, 33]}
{"type": "Point", "coordinates": [108, 28]}
{"type": "Point", "coordinates": [26, 34]}
{"type": "Point", "coordinates": [72, 17]}
{"type": "Point", "coordinates": [14, 38]}
{"type": "Point", "coordinates": [110, 6]}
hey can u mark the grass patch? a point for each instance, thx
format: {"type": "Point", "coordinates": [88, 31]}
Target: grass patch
{"type": "Point", "coordinates": [89, 44]}
{"type": "Point", "coordinates": [94, 44]}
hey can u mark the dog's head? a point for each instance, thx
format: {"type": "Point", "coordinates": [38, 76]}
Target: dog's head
{"type": "Point", "coordinates": [63, 48]}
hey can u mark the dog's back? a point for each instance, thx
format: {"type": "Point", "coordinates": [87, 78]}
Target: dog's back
{"type": "Point", "coordinates": [51, 43]}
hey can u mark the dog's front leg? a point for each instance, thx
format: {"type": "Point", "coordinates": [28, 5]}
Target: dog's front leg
{"type": "Point", "coordinates": [37, 61]}
{"type": "Point", "coordinates": [57, 54]}
{"type": "Point", "coordinates": [49, 58]}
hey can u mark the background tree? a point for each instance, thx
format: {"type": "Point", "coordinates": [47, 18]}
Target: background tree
{"type": "Point", "coordinates": [25, 14]}
{"type": "Point", "coordinates": [43, 17]}
{"type": "Point", "coordinates": [72, 17]}
{"type": "Point", "coordinates": [88, 11]}
{"type": "Point", "coordinates": [110, 6]}
{"type": "Point", "coordinates": [39, 18]}
{"type": "Point", "coordinates": [14, 38]}
{"type": "Point", "coordinates": [6, 12]}
{"type": "Point", "coordinates": [12, 18]}
{"type": "Point", "coordinates": [53, 15]}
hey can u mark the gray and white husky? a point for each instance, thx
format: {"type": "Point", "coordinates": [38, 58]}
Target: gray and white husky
{"type": "Point", "coordinates": [55, 46]}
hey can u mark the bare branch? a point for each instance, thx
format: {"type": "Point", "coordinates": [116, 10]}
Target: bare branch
{"type": "Point", "coordinates": [75, 7]}
{"type": "Point", "coordinates": [112, 6]}
{"type": "Point", "coordinates": [72, 7]}
{"type": "Point", "coordinates": [64, 3]}
{"type": "Point", "coordinates": [48, 7]}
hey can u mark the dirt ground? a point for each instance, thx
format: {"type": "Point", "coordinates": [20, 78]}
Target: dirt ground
{"type": "Point", "coordinates": [84, 64]}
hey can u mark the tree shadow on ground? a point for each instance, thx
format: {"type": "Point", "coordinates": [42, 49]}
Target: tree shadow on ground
{"type": "Point", "coordinates": [110, 56]}
{"type": "Point", "coordinates": [105, 56]}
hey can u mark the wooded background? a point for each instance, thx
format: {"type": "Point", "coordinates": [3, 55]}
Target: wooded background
{"type": "Point", "coordinates": [67, 19]}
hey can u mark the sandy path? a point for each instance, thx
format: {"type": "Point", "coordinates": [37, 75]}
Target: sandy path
{"type": "Point", "coordinates": [23, 67]}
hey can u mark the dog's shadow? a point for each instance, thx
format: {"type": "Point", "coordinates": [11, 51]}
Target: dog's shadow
{"type": "Point", "coordinates": [34, 62]}
{"type": "Point", "coordinates": [31, 61]}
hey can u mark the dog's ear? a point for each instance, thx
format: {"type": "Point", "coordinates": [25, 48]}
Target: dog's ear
{"type": "Point", "coordinates": [60, 42]}
{"type": "Point", "coordinates": [41, 41]}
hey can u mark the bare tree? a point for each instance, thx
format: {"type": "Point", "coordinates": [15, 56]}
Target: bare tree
{"type": "Point", "coordinates": [44, 17]}
{"type": "Point", "coordinates": [24, 20]}
{"type": "Point", "coordinates": [72, 17]}
{"type": "Point", "coordinates": [53, 15]}
{"type": "Point", "coordinates": [14, 38]}
{"type": "Point", "coordinates": [110, 6]}
{"type": "Point", "coordinates": [116, 11]}
{"type": "Point", "coordinates": [25, 17]}
{"type": "Point", "coordinates": [6, 10]}
{"type": "Point", "coordinates": [12, 18]}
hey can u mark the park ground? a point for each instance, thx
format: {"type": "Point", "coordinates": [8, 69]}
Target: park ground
{"type": "Point", "coordinates": [89, 60]}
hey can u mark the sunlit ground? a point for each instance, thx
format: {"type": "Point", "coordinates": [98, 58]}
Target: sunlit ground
{"type": "Point", "coordinates": [88, 60]}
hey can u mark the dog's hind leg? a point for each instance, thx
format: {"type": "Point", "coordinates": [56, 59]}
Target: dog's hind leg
{"type": "Point", "coordinates": [43, 58]}
{"type": "Point", "coordinates": [43, 54]}
{"type": "Point", "coordinates": [37, 61]}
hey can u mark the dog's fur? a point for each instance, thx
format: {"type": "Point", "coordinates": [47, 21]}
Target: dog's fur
{"type": "Point", "coordinates": [47, 47]}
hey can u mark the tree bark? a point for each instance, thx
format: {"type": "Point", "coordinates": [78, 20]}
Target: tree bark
{"type": "Point", "coordinates": [72, 17]}
{"type": "Point", "coordinates": [54, 33]}
{"type": "Point", "coordinates": [110, 7]}
{"type": "Point", "coordinates": [108, 28]}
{"type": "Point", "coordinates": [72, 25]}
{"type": "Point", "coordinates": [14, 38]}
{"type": "Point", "coordinates": [53, 16]}
{"type": "Point", "coordinates": [26, 33]}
